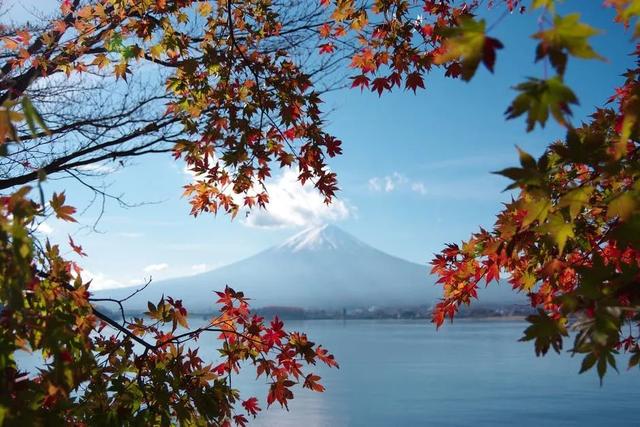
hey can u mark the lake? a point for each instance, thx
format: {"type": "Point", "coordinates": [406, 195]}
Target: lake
{"type": "Point", "coordinates": [472, 372]}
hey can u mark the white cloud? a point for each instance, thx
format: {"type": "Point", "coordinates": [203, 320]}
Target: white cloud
{"type": "Point", "coordinates": [418, 187]}
{"type": "Point", "coordinates": [156, 267]}
{"type": "Point", "coordinates": [99, 168]}
{"type": "Point", "coordinates": [100, 281]}
{"type": "Point", "coordinates": [290, 203]}
{"type": "Point", "coordinates": [374, 184]}
{"type": "Point", "coordinates": [44, 228]}
{"type": "Point", "coordinates": [396, 181]}
{"type": "Point", "coordinates": [198, 268]}
{"type": "Point", "coordinates": [130, 235]}
{"type": "Point", "coordinates": [294, 205]}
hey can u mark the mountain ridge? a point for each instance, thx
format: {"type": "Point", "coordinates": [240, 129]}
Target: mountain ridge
{"type": "Point", "coordinates": [321, 267]}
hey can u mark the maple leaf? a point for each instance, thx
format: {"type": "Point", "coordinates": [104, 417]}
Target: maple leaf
{"type": "Point", "coordinates": [325, 357]}
{"type": "Point", "coordinates": [468, 44]}
{"type": "Point", "coordinates": [59, 26]}
{"type": "Point", "coordinates": [240, 420]}
{"type": "Point", "coordinates": [9, 43]}
{"type": "Point", "coordinates": [559, 229]}
{"type": "Point", "coordinates": [311, 382]}
{"type": "Point", "coordinates": [251, 406]}
{"type": "Point", "coordinates": [61, 210]}
{"type": "Point", "coordinates": [546, 331]}
{"type": "Point", "coordinates": [380, 84]}
{"type": "Point", "coordinates": [622, 206]}
{"type": "Point", "coordinates": [489, 52]}
{"type": "Point", "coordinates": [205, 9]}
{"type": "Point", "coordinates": [65, 7]}
{"type": "Point", "coordinates": [333, 146]}
{"type": "Point", "coordinates": [567, 36]}
{"type": "Point", "coordinates": [24, 36]}
{"type": "Point", "coordinates": [325, 30]}
{"type": "Point", "coordinates": [538, 98]}
{"type": "Point", "coordinates": [101, 61]}
{"type": "Point", "coordinates": [575, 200]}
{"type": "Point", "coordinates": [327, 48]}
{"type": "Point", "coordinates": [413, 81]}
{"type": "Point", "coordinates": [360, 81]}
{"type": "Point", "coordinates": [76, 248]}
{"type": "Point", "coordinates": [120, 70]}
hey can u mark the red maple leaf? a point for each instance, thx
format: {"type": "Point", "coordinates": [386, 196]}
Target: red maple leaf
{"type": "Point", "coordinates": [251, 406]}
{"type": "Point", "coordinates": [360, 81]}
{"type": "Point", "coordinates": [489, 52]}
{"type": "Point", "coordinates": [327, 48]}
{"type": "Point", "coordinates": [380, 85]}
{"type": "Point", "coordinates": [76, 248]}
{"type": "Point", "coordinates": [413, 81]}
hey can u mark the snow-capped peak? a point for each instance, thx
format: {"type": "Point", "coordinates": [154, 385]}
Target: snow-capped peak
{"type": "Point", "coordinates": [322, 237]}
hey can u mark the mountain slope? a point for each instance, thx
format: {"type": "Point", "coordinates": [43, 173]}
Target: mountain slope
{"type": "Point", "coordinates": [321, 267]}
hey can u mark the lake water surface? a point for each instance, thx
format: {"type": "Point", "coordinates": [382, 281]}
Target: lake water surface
{"type": "Point", "coordinates": [405, 373]}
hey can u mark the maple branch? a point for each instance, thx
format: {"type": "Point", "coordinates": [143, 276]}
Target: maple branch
{"type": "Point", "coordinates": [66, 162]}
{"type": "Point", "coordinates": [122, 329]}
{"type": "Point", "coordinates": [120, 301]}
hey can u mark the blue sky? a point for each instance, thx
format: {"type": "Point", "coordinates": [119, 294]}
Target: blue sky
{"type": "Point", "coordinates": [414, 175]}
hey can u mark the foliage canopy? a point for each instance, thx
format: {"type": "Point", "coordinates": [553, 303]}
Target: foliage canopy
{"type": "Point", "coordinates": [237, 102]}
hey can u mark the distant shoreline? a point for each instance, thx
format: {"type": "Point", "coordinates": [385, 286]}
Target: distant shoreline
{"type": "Point", "coordinates": [482, 313]}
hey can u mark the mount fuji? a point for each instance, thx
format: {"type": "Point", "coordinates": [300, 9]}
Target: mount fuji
{"type": "Point", "coordinates": [319, 268]}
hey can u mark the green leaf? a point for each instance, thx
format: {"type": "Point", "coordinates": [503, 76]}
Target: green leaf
{"type": "Point", "coordinates": [602, 367]}
{"type": "Point", "coordinates": [468, 43]}
{"type": "Point", "coordinates": [546, 332]}
{"type": "Point", "coordinates": [575, 200]}
{"type": "Point", "coordinates": [114, 43]}
{"type": "Point", "coordinates": [622, 206]}
{"type": "Point", "coordinates": [537, 209]}
{"type": "Point", "coordinates": [567, 36]}
{"type": "Point", "coordinates": [538, 98]}
{"type": "Point", "coordinates": [558, 229]}
{"type": "Point", "coordinates": [547, 4]}
{"type": "Point", "coordinates": [588, 362]}
{"type": "Point", "coordinates": [612, 361]}
{"type": "Point", "coordinates": [526, 160]}
{"type": "Point", "coordinates": [32, 116]}
{"type": "Point", "coordinates": [632, 10]}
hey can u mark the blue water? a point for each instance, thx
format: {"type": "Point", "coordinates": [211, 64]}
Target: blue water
{"type": "Point", "coordinates": [470, 373]}
{"type": "Point", "coordinates": [405, 373]}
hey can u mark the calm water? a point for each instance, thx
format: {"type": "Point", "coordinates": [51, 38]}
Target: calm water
{"type": "Point", "coordinates": [404, 373]}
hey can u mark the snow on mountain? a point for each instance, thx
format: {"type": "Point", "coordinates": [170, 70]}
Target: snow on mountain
{"type": "Point", "coordinates": [321, 267]}
{"type": "Point", "coordinates": [319, 238]}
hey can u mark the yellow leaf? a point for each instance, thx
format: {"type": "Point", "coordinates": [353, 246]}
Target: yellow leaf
{"type": "Point", "coordinates": [528, 281]}
{"type": "Point", "coordinates": [559, 230]}
{"type": "Point", "coordinates": [622, 206]}
{"type": "Point", "coordinates": [86, 12]}
{"type": "Point", "coordinates": [536, 210]}
{"type": "Point", "coordinates": [101, 61]}
{"type": "Point", "coordinates": [10, 44]}
{"type": "Point", "coordinates": [182, 18]}
{"type": "Point", "coordinates": [205, 9]}
{"type": "Point", "coordinates": [156, 51]}
{"type": "Point", "coordinates": [547, 4]}
{"type": "Point", "coordinates": [575, 200]}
